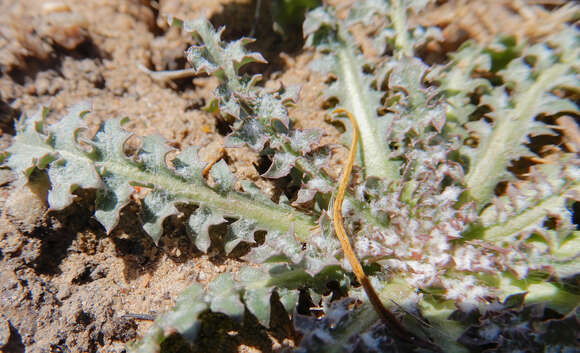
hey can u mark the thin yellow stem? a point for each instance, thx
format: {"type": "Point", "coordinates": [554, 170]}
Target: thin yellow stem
{"type": "Point", "coordinates": [385, 314]}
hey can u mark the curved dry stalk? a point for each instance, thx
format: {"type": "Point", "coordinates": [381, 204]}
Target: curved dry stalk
{"type": "Point", "coordinates": [208, 167]}
{"type": "Point", "coordinates": [385, 314]}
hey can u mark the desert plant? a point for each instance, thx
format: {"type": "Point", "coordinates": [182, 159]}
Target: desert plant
{"type": "Point", "coordinates": [446, 233]}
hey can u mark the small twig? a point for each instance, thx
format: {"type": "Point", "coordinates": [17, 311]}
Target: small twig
{"type": "Point", "coordinates": [206, 170]}
{"type": "Point", "coordinates": [256, 17]}
{"type": "Point", "coordinates": [146, 317]}
{"type": "Point", "coordinates": [385, 314]}
{"type": "Point", "coordinates": [168, 75]}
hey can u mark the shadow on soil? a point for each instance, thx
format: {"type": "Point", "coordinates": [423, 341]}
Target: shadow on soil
{"type": "Point", "coordinates": [34, 65]}
{"type": "Point", "coordinates": [219, 333]}
{"type": "Point", "coordinates": [132, 244]}
{"type": "Point", "coordinates": [8, 116]}
{"type": "Point", "coordinates": [14, 344]}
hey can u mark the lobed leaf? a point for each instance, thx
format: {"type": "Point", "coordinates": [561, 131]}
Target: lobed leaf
{"type": "Point", "coordinates": [199, 223]}
{"type": "Point", "coordinates": [115, 174]}
{"type": "Point", "coordinates": [353, 88]}
{"type": "Point", "coordinates": [531, 88]}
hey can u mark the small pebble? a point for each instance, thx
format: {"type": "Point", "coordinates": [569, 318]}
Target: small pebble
{"type": "Point", "coordinates": [42, 85]}
{"type": "Point", "coordinates": [54, 6]}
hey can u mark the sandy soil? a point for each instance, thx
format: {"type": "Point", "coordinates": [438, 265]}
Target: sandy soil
{"type": "Point", "coordinates": [65, 285]}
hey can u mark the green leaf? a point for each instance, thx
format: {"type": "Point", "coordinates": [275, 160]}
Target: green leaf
{"type": "Point", "coordinates": [281, 165]}
{"type": "Point", "coordinates": [365, 11]}
{"type": "Point", "coordinates": [215, 57]}
{"type": "Point", "coordinates": [289, 298]}
{"type": "Point", "coordinates": [256, 297]}
{"type": "Point", "coordinates": [224, 297]}
{"type": "Point", "coordinates": [250, 132]}
{"type": "Point", "coordinates": [157, 206]}
{"type": "Point", "coordinates": [116, 174]}
{"type": "Point", "coordinates": [199, 223]}
{"type": "Point", "coordinates": [416, 108]}
{"type": "Point", "coordinates": [241, 230]}
{"type": "Point", "coordinates": [30, 148]}
{"type": "Point", "coordinates": [271, 108]}
{"type": "Point", "coordinates": [73, 169]}
{"type": "Point", "coordinates": [303, 141]}
{"type": "Point", "coordinates": [189, 167]}
{"type": "Point", "coordinates": [277, 247]}
{"type": "Point", "coordinates": [183, 318]}
{"type": "Point", "coordinates": [223, 177]}
{"type": "Point", "coordinates": [530, 94]}
{"type": "Point", "coordinates": [524, 212]}
{"type": "Point", "coordinates": [311, 188]}
{"type": "Point", "coordinates": [353, 88]}
{"type": "Point", "coordinates": [111, 200]}
{"type": "Point", "coordinates": [109, 145]}
{"type": "Point", "coordinates": [154, 153]}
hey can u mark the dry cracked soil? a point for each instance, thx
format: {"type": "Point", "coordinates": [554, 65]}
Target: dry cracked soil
{"type": "Point", "coordinates": [66, 285]}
